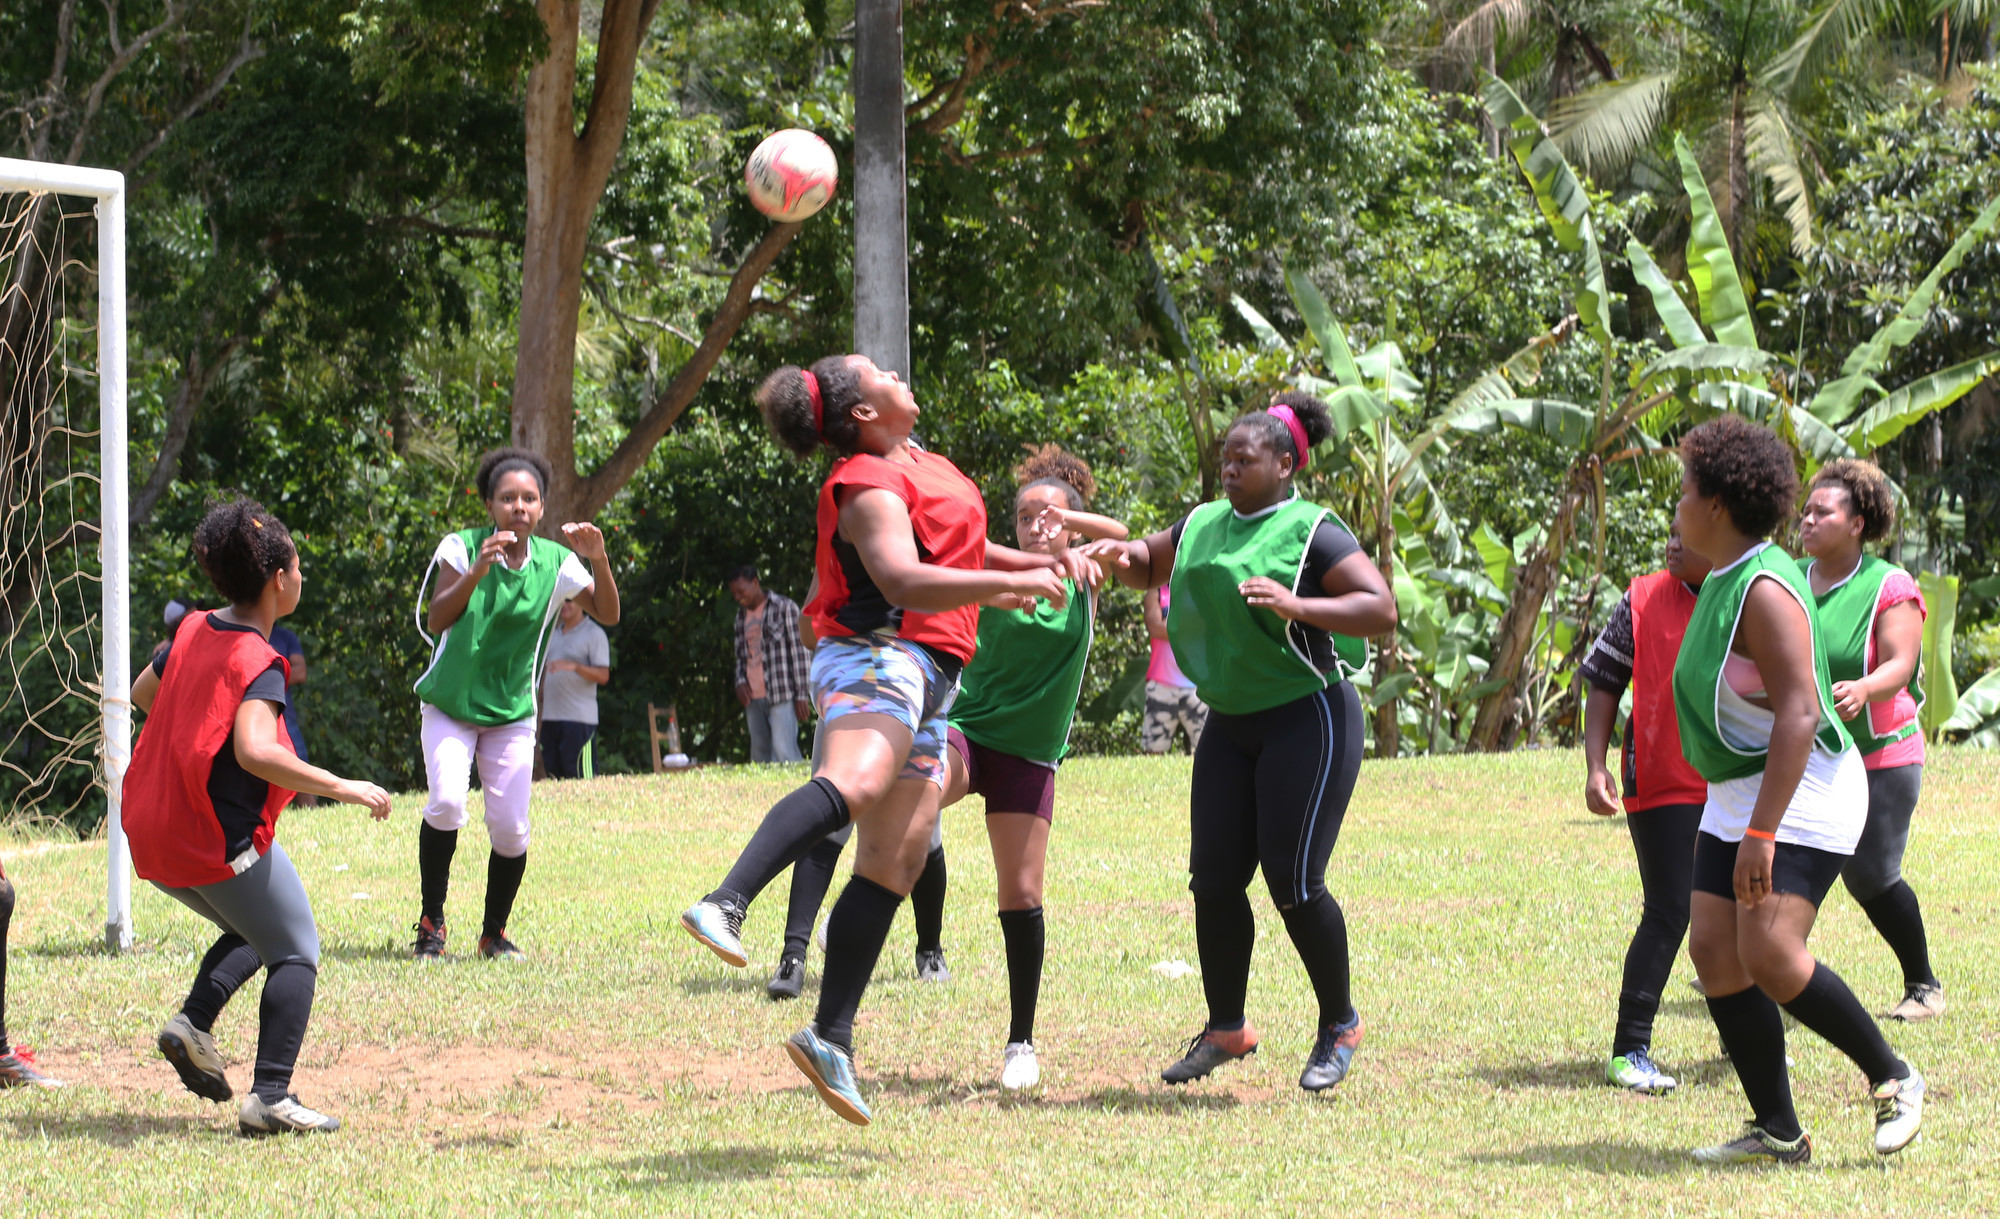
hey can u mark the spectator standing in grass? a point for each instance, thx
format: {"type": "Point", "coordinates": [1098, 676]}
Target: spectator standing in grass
{"type": "Point", "coordinates": [772, 675]}
{"type": "Point", "coordinates": [579, 661]}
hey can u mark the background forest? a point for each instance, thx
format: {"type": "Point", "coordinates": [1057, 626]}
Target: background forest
{"type": "Point", "coordinates": [1128, 222]}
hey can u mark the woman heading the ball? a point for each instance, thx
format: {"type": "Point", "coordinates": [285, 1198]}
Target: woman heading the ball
{"type": "Point", "coordinates": [1787, 797]}
{"type": "Point", "coordinates": [1271, 599]}
{"type": "Point", "coordinates": [499, 589]}
{"type": "Point", "coordinates": [213, 768]}
{"type": "Point", "coordinates": [903, 562]}
{"type": "Point", "coordinates": [1873, 617]}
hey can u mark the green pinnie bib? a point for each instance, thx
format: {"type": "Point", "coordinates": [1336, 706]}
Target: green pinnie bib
{"type": "Point", "coordinates": [1846, 614]}
{"type": "Point", "coordinates": [1244, 658]}
{"type": "Point", "coordinates": [1019, 693]}
{"type": "Point", "coordinates": [1705, 648]}
{"type": "Point", "coordinates": [482, 668]}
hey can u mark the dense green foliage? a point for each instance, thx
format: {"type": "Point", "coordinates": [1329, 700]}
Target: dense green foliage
{"type": "Point", "coordinates": [328, 198]}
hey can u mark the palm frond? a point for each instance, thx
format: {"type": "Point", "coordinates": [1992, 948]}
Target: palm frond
{"type": "Point", "coordinates": [1827, 36]}
{"type": "Point", "coordinates": [1482, 28]}
{"type": "Point", "coordinates": [1606, 125]}
{"type": "Point", "coordinates": [1774, 152]}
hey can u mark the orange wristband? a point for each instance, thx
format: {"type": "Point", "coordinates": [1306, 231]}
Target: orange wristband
{"type": "Point", "coordinates": [1754, 832]}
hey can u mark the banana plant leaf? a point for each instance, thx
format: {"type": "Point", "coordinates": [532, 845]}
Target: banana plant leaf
{"type": "Point", "coordinates": [1884, 421]}
{"type": "Point", "coordinates": [1570, 424]}
{"type": "Point", "coordinates": [1837, 399]}
{"type": "Point", "coordinates": [1496, 555]}
{"type": "Point", "coordinates": [1267, 334]}
{"type": "Point", "coordinates": [1940, 691]}
{"type": "Point", "coordinates": [1561, 195]}
{"type": "Point", "coordinates": [1333, 349]}
{"type": "Point", "coordinates": [1710, 263]}
{"type": "Point", "coordinates": [1680, 324]}
{"type": "Point", "coordinates": [1978, 712]}
{"type": "Point", "coordinates": [1817, 439]}
{"type": "Point", "coordinates": [1688, 363]}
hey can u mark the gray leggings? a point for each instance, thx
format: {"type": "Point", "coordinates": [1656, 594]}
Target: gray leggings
{"type": "Point", "coordinates": [266, 905]}
{"type": "Point", "coordinates": [1877, 863]}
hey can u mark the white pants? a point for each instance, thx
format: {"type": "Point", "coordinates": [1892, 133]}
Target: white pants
{"type": "Point", "coordinates": [506, 768]}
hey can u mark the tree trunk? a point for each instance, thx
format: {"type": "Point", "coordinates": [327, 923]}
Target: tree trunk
{"type": "Point", "coordinates": [1736, 170]}
{"type": "Point", "coordinates": [1524, 611]}
{"type": "Point", "coordinates": [567, 173]}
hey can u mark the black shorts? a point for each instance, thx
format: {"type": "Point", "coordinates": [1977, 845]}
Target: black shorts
{"type": "Point", "coordinates": [1806, 871]}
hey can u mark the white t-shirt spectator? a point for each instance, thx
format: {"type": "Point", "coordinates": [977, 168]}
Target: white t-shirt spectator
{"type": "Point", "coordinates": [567, 696]}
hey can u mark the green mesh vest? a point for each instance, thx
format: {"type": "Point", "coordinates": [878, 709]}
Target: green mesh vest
{"type": "Point", "coordinates": [482, 668]}
{"type": "Point", "coordinates": [1019, 693]}
{"type": "Point", "coordinates": [1846, 614]}
{"type": "Point", "coordinates": [1244, 658]}
{"type": "Point", "coordinates": [1698, 671]}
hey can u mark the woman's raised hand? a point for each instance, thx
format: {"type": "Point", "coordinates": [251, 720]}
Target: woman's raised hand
{"type": "Point", "coordinates": [586, 539]}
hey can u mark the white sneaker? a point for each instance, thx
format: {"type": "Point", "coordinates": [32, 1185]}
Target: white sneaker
{"type": "Point", "coordinates": [286, 1116]}
{"type": "Point", "coordinates": [1899, 1113]}
{"type": "Point", "coordinates": [194, 1058]}
{"type": "Point", "coordinates": [1021, 1071]}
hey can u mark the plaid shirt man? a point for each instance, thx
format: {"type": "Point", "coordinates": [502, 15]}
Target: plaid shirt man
{"type": "Point", "coordinates": [787, 664]}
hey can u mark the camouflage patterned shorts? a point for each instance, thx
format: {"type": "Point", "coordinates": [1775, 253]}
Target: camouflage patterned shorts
{"type": "Point", "coordinates": [1169, 708]}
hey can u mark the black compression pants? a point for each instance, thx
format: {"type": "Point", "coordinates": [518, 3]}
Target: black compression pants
{"type": "Point", "coordinates": [1663, 839]}
{"type": "Point", "coordinates": [1270, 789]}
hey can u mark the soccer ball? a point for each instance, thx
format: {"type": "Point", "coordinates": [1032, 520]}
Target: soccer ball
{"type": "Point", "coordinates": [791, 175]}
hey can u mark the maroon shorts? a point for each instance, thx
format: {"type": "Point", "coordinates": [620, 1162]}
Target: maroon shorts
{"type": "Point", "coordinates": [1010, 784]}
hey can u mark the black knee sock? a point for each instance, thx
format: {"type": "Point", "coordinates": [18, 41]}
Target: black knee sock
{"type": "Point", "coordinates": [230, 963]}
{"type": "Point", "coordinates": [1224, 933]}
{"type": "Point", "coordinates": [6, 920]}
{"type": "Point", "coordinates": [1024, 931]}
{"type": "Point", "coordinates": [794, 826]}
{"type": "Point", "coordinates": [812, 876]}
{"type": "Point", "coordinates": [1319, 932]}
{"type": "Point", "coordinates": [281, 1027]}
{"type": "Point", "coordinates": [1829, 1008]}
{"type": "Point", "coordinates": [927, 903]}
{"type": "Point", "coordinates": [855, 933]}
{"type": "Point", "coordinates": [1649, 962]}
{"type": "Point", "coordinates": [435, 847]}
{"type": "Point", "coordinates": [503, 883]}
{"type": "Point", "coordinates": [1753, 1035]}
{"type": "Point", "coordinates": [1900, 919]}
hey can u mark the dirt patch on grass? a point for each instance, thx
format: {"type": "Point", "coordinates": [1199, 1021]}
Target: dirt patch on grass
{"type": "Point", "coordinates": [445, 1092]}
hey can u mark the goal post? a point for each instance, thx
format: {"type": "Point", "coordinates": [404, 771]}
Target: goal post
{"type": "Point", "coordinates": [107, 187]}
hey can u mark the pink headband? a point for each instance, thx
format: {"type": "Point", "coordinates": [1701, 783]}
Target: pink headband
{"type": "Point", "coordinates": [819, 406]}
{"type": "Point", "coordinates": [1287, 416]}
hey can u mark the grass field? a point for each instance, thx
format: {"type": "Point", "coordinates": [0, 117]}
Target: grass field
{"type": "Point", "coordinates": [623, 1068]}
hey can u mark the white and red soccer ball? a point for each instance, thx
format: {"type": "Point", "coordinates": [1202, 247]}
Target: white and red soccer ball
{"type": "Point", "coordinates": [791, 175]}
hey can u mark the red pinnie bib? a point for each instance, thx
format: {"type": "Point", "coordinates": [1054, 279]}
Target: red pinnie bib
{"type": "Point", "coordinates": [176, 838]}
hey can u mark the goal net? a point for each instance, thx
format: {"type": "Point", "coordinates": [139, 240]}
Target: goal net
{"type": "Point", "coordinates": [65, 723]}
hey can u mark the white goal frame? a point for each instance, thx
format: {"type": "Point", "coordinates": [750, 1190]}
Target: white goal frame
{"type": "Point", "coordinates": [114, 694]}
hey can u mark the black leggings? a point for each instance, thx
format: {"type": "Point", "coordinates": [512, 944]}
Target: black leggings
{"type": "Point", "coordinates": [1270, 790]}
{"type": "Point", "coordinates": [1663, 839]}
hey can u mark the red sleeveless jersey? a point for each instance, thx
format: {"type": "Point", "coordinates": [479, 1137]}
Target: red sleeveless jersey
{"type": "Point", "coordinates": [948, 517]}
{"type": "Point", "coordinates": [1661, 606]}
{"type": "Point", "coordinates": [176, 837]}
